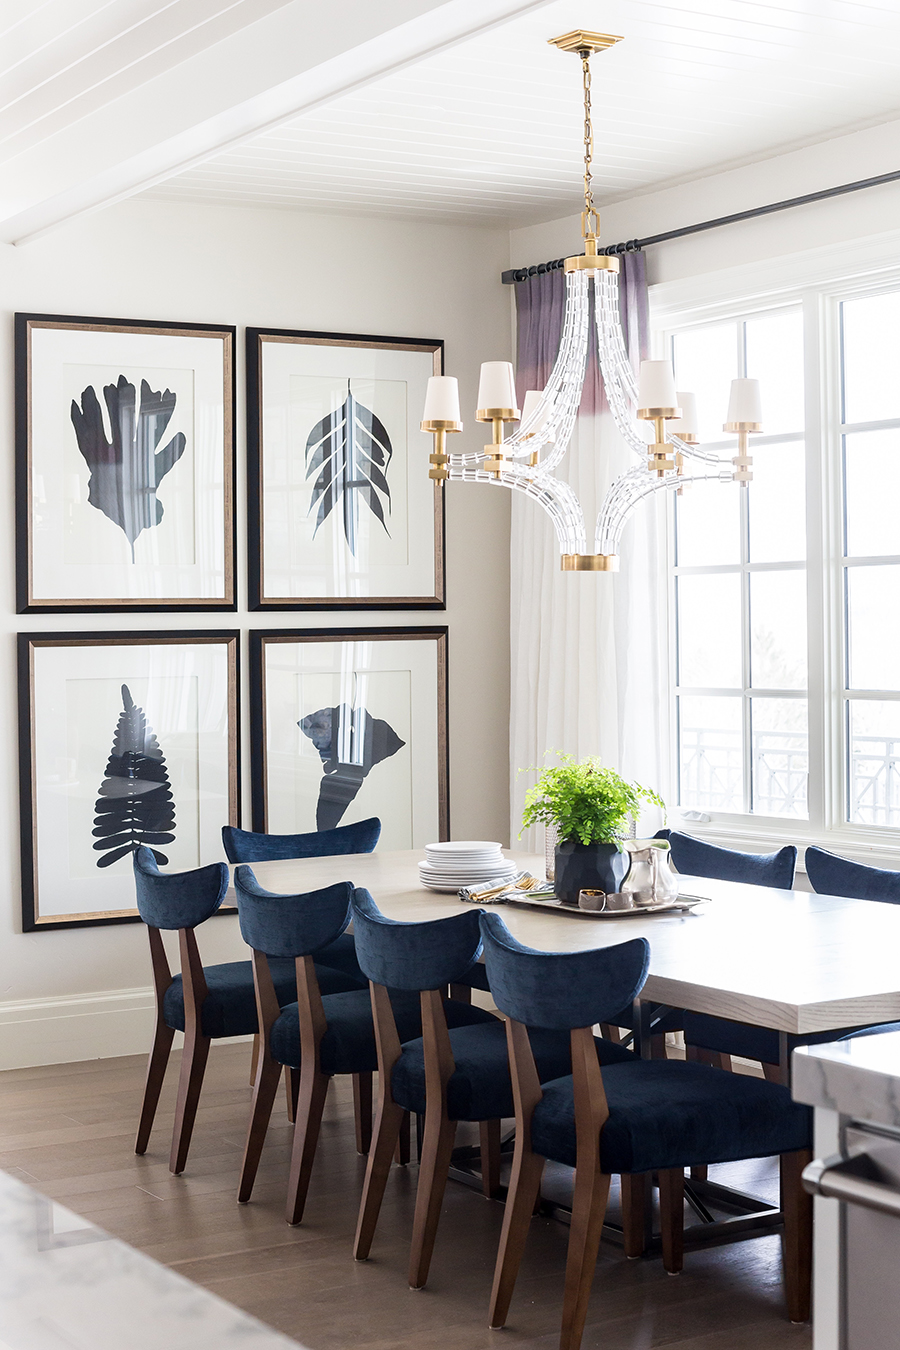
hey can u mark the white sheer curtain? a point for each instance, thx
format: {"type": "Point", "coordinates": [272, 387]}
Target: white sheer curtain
{"type": "Point", "coordinates": [585, 646]}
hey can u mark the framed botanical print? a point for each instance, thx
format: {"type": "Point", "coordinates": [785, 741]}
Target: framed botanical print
{"type": "Point", "coordinates": [349, 723]}
{"type": "Point", "coordinates": [343, 514]}
{"type": "Point", "coordinates": [124, 739]}
{"type": "Point", "coordinates": [124, 465]}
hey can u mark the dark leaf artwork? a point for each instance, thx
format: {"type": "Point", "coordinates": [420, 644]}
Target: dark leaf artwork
{"type": "Point", "coordinates": [350, 742]}
{"type": "Point", "coordinates": [135, 805]}
{"type": "Point", "coordinates": [126, 472]}
{"type": "Point", "coordinates": [349, 451]}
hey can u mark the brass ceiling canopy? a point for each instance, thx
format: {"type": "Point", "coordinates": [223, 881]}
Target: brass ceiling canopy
{"type": "Point", "coordinates": [581, 41]}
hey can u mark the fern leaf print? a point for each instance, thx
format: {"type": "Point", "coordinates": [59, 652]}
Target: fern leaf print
{"type": "Point", "coordinates": [126, 471]}
{"type": "Point", "coordinates": [349, 452]}
{"type": "Point", "coordinates": [135, 804]}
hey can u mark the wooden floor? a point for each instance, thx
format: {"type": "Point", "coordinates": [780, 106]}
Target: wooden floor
{"type": "Point", "coordinates": [68, 1130]}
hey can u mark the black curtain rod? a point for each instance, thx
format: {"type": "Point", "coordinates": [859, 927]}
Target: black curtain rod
{"type": "Point", "coordinates": [633, 245]}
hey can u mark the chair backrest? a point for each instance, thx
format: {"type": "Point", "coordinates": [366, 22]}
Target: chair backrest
{"type": "Point", "coordinates": [561, 990]}
{"type": "Point", "coordinates": [830, 874]}
{"type": "Point", "coordinates": [699, 859]}
{"type": "Point", "coordinates": [415, 956]}
{"type": "Point", "coordinates": [245, 846]}
{"type": "Point", "coordinates": [177, 899]}
{"type": "Point", "coordinates": [290, 925]}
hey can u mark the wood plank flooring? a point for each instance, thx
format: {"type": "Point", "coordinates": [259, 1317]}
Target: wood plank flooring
{"type": "Point", "coordinates": [69, 1131]}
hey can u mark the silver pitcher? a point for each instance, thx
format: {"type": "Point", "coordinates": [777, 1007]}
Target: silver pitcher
{"type": "Point", "coordinates": [650, 880]}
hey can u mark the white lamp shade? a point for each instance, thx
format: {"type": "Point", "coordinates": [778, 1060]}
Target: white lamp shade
{"type": "Point", "coordinates": [442, 399]}
{"type": "Point", "coordinates": [656, 385]}
{"type": "Point", "coordinates": [496, 388]}
{"type": "Point", "coordinates": [745, 404]}
{"type": "Point", "coordinates": [529, 404]}
{"type": "Point", "coordinates": [686, 424]}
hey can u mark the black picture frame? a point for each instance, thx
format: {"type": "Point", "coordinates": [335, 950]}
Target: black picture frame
{"type": "Point", "coordinates": [26, 601]}
{"type": "Point", "coordinates": [261, 638]}
{"type": "Point", "coordinates": [27, 644]}
{"type": "Point", "coordinates": [258, 599]}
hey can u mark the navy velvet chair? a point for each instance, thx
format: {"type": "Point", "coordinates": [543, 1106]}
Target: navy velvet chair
{"type": "Point", "coordinates": [653, 1116]}
{"type": "Point", "coordinates": [319, 1034]}
{"type": "Point", "coordinates": [829, 874]}
{"type": "Point", "coordinates": [205, 1002]}
{"type": "Point", "coordinates": [448, 1074]}
{"type": "Point", "coordinates": [715, 1038]}
{"type": "Point", "coordinates": [247, 846]}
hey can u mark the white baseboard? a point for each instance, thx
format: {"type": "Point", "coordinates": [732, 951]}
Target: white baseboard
{"type": "Point", "coordinates": [79, 1026]}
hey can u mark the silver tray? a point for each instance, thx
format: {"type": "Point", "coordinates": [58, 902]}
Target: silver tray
{"type": "Point", "coordinates": [684, 904]}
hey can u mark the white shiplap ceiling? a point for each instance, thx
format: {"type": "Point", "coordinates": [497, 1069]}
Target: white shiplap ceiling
{"type": "Point", "coordinates": [490, 130]}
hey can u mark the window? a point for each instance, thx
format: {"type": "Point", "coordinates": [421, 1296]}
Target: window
{"type": "Point", "coordinates": [785, 603]}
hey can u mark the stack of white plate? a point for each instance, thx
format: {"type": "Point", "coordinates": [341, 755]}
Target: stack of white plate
{"type": "Point", "coordinates": [464, 862]}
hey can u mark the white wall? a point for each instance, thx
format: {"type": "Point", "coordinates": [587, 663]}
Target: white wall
{"type": "Point", "coordinates": [75, 994]}
{"type": "Point", "coordinates": [845, 159]}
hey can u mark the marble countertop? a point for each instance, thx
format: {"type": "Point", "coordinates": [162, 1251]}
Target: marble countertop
{"type": "Point", "coordinates": [859, 1078]}
{"type": "Point", "coordinates": [67, 1285]}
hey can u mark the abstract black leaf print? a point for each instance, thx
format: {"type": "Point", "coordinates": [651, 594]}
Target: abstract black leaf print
{"type": "Point", "coordinates": [126, 471]}
{"type": "Point", "coordinates": [349, 451]}
{"type": "Point", "coordinates": [350, 742]}
{"type": "Point", "coordinates": [135, 805]}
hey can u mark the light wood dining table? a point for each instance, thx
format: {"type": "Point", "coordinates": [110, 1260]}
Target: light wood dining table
{"type": "Point", "coordinates": [791, 961]}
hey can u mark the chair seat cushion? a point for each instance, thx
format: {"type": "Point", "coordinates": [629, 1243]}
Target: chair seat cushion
{"type": "Point", "coordinates": [230, 1006]}
{"type": "Point", "coordinates": [480, 1087]}
{"type": "Point", "coordinates": [736, 1038]}
{"type": "Point", "coordinates": [348, 1045]}
{"type": "Point", "coordinates": [664, 1113]}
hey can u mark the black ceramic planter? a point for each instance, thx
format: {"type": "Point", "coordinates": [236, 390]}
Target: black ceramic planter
{"type": "Point", "coordinates": [587, 867]}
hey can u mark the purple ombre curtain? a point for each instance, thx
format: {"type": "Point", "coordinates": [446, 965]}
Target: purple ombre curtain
{"type": "Point", "coordinates": [540, 309]}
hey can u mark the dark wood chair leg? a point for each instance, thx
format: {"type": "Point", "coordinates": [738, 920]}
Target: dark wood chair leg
{"type": "Point", "coordinates": [462, 993]}
{"type": "Point", "coordinates": [588, 1212]}
{"type": "Point", "coordinates": [254, 1060]}
{"type": "Point", "coordinates": [402, 1153]}
{"type": "Point", "coordinates": [713, 1057]}
{"type": "Point", "coordinates": [264, 1090]}
{"type": "Point", "coordinates": [156, 1072]}
{"type": "Point", "coordinates": [671, 1218]}
{"type": "Point", "coordinates": [610, 1033]}
{"type": "Point", "coordinates": [190, 1081]}
{"type": "Point", "coordinates": [435, 1163]}
{"type": "Point", "coordinates": [489, 1131]}
{"type": "Point", "coordinates": [772, 1073]}
{"type": "Point", "coordinates": [700, 1172]}
{"type": "Point", "coordinates": [658, 1046]}
{"type": "Point", "coordinates": [310, 1105]}
{"type": "Point", "coordinates": [362, 1110]}
{"type": "Point", "coordinates": [521, 1201]}
{"type": "Point", "coordinates": [388, 1132]}
{"type": "Point", "coordinates": [291, 1089]}
{"type": "Point", "coordinates": [634, 1197]}
{"type": "Point", "coordinates": [798, 1226]}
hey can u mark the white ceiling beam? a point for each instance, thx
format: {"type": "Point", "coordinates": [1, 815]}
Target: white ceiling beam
{"type": "Point", "coordinates": [323, 40]}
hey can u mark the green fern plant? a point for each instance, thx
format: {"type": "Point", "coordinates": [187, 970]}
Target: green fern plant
{"type": "Point", "coordinates": [586, 801]}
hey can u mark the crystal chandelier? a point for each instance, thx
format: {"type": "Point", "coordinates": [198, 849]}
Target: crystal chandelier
{"type": "Point", "coordinates": [526, 459]}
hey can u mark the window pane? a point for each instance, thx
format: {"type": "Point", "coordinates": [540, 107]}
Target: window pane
{"type": "Point", "coordinates": [778, 630]}
{"type": "Point", "coordinates": [873, 620]}
{"type": "Point", "coordinates": [777, 504]}
{"type": "Point", "coordinates": [780, 756]}
{"type": "Point", "coordinates": [775, 358]}
{"type": "Point", "coordinates": [710, 756]}
{"type": "Point", "coordinates": [872, 501]}
{"type": "Point", "coordinates": [705, 364]}
{"type": "Point", "coordinates": [874, 762]}
{"type": "Point", "coordinates": [709, 631]}
{"type": "Point", "coordinates": [871, 333]}
{"type": "Point", "coordinates": [708, 524]}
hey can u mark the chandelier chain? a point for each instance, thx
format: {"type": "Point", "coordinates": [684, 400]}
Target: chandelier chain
{"type": "Point", "coordinates": [588, 135]}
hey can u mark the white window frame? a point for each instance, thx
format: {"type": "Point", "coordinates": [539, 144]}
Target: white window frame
{"type": "Point", "coordinates": [816, 282]}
